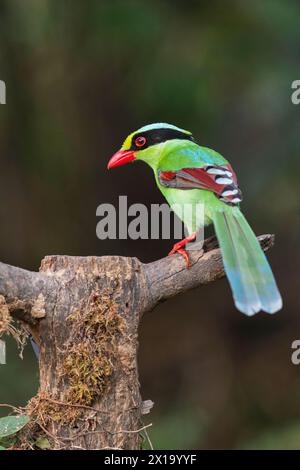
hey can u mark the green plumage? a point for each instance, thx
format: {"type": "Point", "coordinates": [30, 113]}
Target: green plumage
{"type": "Point", "coordinates": [174, 155]}
{"type": "Point", "coordinates": [248, 271]}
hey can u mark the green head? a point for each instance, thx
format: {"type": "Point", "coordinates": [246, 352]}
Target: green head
{"type": "Point", "coordinates": [147, 144]}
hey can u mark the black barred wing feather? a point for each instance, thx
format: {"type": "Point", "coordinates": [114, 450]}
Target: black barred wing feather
{"type": "Point", "coordinates": [221, 180]}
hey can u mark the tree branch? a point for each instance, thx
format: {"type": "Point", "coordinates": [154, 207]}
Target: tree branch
{"type": "Point", "coordinates": [168, 276]}
{"type": "Point", "coordinates": [84, 313]}
{"type": "Point", "coordinates": [28, 295]}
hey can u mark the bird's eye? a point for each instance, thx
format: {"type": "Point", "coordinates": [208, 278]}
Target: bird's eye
{"type": "Point", "coordinates": [140, 141]}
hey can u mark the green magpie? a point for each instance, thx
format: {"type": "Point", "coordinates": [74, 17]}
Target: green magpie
{"type": "Point", "coordinates": [187, 173]}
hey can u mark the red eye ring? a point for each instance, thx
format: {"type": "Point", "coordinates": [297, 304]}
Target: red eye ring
{"type": "Point", "coordinates": [140, 141]}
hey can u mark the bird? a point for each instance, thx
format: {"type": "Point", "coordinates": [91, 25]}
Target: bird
{"type": "Point", "coordinates": [188, 173]}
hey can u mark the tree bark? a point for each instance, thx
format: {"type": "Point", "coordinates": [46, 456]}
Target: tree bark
{"type": "Point", "coordinates": [84, 314]}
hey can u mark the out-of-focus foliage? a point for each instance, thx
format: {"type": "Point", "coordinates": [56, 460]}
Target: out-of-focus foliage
{"type": "Point", "coordinates": [287, 437]}
{"type": "Point", "coordinates": [9, 427]}
{"type": "Point", "coordinates": [79, 77]}
{"type": "Point", "coordinates": [11, 424]}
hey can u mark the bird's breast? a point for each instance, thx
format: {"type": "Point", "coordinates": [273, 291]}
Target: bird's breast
{"type": "Point", "coordinates": [191, 206]}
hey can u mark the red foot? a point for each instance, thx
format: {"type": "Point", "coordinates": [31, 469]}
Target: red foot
{"type": "Point", "coordinates": [177, 248]}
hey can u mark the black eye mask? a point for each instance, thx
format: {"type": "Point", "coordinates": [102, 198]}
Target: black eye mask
{"type": "Point", "coordinates": [157, 136]}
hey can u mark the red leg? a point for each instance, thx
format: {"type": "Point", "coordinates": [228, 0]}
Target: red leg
{"type": "Point", "coordinates": [178, 248]}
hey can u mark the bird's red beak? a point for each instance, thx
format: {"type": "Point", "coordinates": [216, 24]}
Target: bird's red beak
{"type": "Point", "coordinates": [120, 158]}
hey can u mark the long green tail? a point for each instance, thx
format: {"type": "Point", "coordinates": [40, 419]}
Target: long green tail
{"type": "Point", "coordinates": [248, 271]}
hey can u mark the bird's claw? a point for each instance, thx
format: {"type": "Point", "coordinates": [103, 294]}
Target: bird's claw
{"type": "Point", "coordinates": [182, 252]}
{"type": "Point", "coordinates": [178, 248]}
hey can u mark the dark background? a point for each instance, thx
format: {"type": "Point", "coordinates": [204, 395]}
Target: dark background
{"type": "Point", "coordinates": [80, 76]}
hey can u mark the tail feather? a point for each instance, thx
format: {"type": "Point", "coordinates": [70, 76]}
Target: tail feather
{"type": "Point", "coordinates": [247, 268]}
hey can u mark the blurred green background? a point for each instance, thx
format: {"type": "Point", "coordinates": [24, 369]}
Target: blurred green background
{"type": "Point", "coordinates": [80, 76]}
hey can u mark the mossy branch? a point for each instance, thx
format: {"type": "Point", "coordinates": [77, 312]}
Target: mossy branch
{"type": "Point", "coordinates": [84, 313]}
